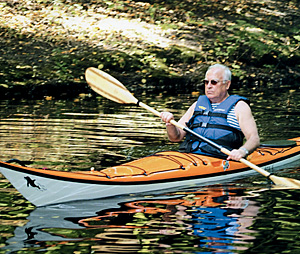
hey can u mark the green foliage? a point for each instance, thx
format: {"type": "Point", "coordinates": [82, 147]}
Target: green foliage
{"type": "Point", "coordinates": [147, 40]}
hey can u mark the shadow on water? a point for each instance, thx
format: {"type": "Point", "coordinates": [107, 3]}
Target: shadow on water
{"type": "Point", "coordinates": [75, 135]}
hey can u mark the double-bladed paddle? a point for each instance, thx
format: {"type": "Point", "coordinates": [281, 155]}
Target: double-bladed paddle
{"type": "Point", "coordinates": [109, 87]}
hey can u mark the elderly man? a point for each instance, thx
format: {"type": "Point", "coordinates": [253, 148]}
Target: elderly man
{"type": "Point", "coordinates": [223, 118]}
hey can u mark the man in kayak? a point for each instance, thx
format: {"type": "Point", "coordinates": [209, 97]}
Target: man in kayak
{"type": "Point", "coordinates": [223, 118]}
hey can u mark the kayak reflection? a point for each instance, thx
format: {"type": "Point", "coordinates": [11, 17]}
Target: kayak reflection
{"type": "Point", "coordinates": [219, 217]}
{"type": "Point", "coordinates": [215, 218]}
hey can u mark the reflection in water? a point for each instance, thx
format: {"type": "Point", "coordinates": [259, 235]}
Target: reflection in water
{"type": "Point", "coordinates": [69, 136]}
{"type": "Point", "coordinates": [216, 218]}
{"type": "Point", "coordinates": [212, 219]}
{"type": "Point", "coordinates": [275, 111]}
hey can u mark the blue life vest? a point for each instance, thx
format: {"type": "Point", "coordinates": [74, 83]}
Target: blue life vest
{"type": "Point", "coordinates": [213, 125]}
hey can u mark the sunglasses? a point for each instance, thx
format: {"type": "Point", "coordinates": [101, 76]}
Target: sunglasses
{"type": "Point", "coordinates": [213, 82]}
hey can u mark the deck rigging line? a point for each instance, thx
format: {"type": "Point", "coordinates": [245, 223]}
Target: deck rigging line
{"type": "Point", "coordinates": [174, 158]}
{"type": "Point", "coordinates": [275, 150]}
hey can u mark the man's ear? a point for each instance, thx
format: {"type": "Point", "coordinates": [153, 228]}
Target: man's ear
{"type": "Point", "coordinates": [228, 84]}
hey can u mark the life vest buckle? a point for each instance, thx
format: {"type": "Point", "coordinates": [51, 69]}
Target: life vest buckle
{"type": "Point", "coordinates": [204, 125]}
{"type": "Point", "coordinates": [205, 112]}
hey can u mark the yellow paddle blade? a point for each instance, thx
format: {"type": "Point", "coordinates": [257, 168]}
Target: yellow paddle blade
{"type": "Point", "coordinates": [107, 86]}
{"type": "Point", "coordinates": [284, 181]}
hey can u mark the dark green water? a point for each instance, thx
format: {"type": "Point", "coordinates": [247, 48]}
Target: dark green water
{"type": "Point", "coordinates": [240, 217]}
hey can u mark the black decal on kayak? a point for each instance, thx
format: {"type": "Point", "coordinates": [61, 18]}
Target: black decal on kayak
{"type": "Point", "coordinates": [31, 182]}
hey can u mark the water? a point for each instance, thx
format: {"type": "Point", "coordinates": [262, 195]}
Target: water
{"type": "Point", "coordinates": [67, 133]}
{"type": "Point", "coordinates": [241, 217]}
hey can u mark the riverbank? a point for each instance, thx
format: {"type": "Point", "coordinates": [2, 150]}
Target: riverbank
{"type": "Point", "coordinates": [46, 46]}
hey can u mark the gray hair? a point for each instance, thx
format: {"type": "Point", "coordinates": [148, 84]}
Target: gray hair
{"type": "Point", "coordinates": [226, 70]}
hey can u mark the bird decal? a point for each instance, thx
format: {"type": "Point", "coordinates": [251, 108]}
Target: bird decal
{"type": "Point", "coordinates": [31, 182]}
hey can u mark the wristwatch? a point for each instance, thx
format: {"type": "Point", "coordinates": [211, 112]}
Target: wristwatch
{"type": "Point", "coordinates": [245, 151]}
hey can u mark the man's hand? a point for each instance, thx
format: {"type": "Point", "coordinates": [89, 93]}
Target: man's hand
{"type": "Point", "coordinates": [236, 154]}
{"type": "Point", "coordinates": [167, 117]}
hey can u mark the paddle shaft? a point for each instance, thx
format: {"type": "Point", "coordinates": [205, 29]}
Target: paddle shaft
{"type": "Point", "coordinates": [220, 148]}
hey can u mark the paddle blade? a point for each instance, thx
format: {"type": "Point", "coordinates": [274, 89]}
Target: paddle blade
{"type": "Point", "coordinates": [107, 86]}
{"type": "Point", "coordinates": [284, 181]}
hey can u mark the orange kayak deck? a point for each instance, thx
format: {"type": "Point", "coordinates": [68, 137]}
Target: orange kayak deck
{"type": "Point", "coordinates": [172, 164]}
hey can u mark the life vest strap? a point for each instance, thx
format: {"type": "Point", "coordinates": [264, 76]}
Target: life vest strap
{"type": "Point", "coordinates": [213, 126]}
{"type": "Point", "coordinates": [209, 113]}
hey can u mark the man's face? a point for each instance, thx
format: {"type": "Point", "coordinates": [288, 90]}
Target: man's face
{"type": "Point", "coordinates": [215, 88]}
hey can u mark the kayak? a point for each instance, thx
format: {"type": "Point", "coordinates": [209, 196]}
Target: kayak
{"type": "Point", "coordinates": [160, 171]}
